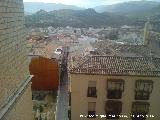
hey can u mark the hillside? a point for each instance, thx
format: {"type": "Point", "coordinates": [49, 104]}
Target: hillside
{"type": "Point", "coordinates": [91, 18]}
{"type": "Point", "coordinates": [74, 18]}
{"type": "Point", "coordinates": [142, 16]}
{"type": "Point", "coordinates": [127, 7]}
{"type": "Point", "coordinates": [144, 13]}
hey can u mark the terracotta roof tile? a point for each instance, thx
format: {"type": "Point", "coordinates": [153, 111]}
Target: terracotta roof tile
{"type": "Point", "coordinates": [118, 65]}
{"type": "Point", "coordinates": [105, 48]}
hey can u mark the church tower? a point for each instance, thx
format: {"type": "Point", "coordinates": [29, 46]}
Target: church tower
{"type": "Point", "coordinates": [147, 30]}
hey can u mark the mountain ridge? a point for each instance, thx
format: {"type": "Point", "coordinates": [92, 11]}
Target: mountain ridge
{"type": "Point", "coordinates": [32, 7]}
{"type": "Point", "coordinates": [131, 6]}
{"type": "Point", "coordinates": [92, 18]}
{"type": "Point", "coordinates": [74, 18]}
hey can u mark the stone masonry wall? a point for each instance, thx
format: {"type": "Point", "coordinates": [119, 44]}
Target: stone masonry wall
{"type": "Point", "coordinates": [13, 53]}
{"type": "Point", "coordinates": [22, 110]}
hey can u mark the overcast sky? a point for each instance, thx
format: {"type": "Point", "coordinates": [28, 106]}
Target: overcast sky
{"type": "Point", "coordinates": [84, 3]}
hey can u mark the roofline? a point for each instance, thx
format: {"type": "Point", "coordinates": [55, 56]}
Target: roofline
{"type": "Point", "coordinates": [118, 56]}
{"type": "Point", "coordinates": [115, 74]}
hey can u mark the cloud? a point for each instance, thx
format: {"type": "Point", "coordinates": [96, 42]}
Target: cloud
{"type": "Point", "coordinates": [83, 3]}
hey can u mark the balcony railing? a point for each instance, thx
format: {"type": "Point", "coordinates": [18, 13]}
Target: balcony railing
{"type": "Point", "coordinates": [114, 94]}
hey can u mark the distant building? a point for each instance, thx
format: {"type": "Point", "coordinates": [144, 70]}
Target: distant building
{"type": "Point", "coordinates": [154, 41]}
{"type": "Point", "coordinates": [15, 86]}
{"type": "Point", "coordinates": [115, 49]}
{"type": "Point", "coordinates": [36, 36]}
{"type": "Point", "coordinates": [132, 36]}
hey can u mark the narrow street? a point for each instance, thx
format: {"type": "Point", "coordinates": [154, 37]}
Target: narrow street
{"type": "Point", "coordinates": [62, 105]}
{"type": "Point", "coordinates": [63, 96]}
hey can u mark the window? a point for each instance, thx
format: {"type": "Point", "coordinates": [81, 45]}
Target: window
{"type": "Point", "coordinates": [92, 110]}
{"type": "Point", "coordinates": [140, 110]}
{"type": "Point", "coordinates": [113, 109]}
{"type": "Point", "coordinates": [115, 89]}
{"type": "Point", "coordinates": [143, 89]}
{"type": "Point", "coordinates": [70, 99]}
{"type": "Point", "coordinates": [69, 114]}
{"type": "Point", "coordinates": [92, 89]}
{"type": "Point", "coordinates": [93, 52]}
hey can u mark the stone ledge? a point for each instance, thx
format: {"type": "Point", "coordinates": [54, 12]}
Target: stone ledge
{"type": "Point", "coordinates": [13, 98]}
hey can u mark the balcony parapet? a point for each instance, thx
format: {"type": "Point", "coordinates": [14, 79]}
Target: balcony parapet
{"type": "Point", "coordinates": [14, 97]}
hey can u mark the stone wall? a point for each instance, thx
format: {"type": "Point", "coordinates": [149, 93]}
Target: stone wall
{"type": "Point", "coordinates": [13, 52]}
{"type": "Point", "coordinates": [22, 109]}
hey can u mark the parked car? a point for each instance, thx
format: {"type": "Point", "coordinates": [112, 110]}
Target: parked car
{"type": "Point", "coordinates": [58, 51]}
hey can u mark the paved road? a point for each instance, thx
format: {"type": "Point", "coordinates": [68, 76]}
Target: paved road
{"type": "Point", "coordinates": [63, 100]}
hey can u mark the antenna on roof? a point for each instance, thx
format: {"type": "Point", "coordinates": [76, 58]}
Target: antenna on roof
{"type": "Point", "coordinates": [151, 58]}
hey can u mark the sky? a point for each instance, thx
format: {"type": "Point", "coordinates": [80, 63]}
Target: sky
{"type": "Point", "coordinates": [83, 3]}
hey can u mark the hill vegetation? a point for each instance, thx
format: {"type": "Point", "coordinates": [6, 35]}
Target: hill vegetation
{"type": "Point", "coordinates": [122, 14]}
{"type": "Point", "coordinates": [74, 18]}
{"type": "Point", "coordinates": [127, 7]}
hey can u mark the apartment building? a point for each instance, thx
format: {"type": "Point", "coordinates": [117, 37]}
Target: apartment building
{"type": "Point", "coordinates": [15, 87]}
{"type": "Point", "coordinates": [118, 82]}
{"type": "Point", "coordinates": [115, 87]}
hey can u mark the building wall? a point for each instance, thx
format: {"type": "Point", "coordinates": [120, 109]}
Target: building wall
{"type": "Point", "coordinates": [13, 56]}
{"type": "Point", "coordinates": [155, 45]}
{"type": "Point", "coordinates": [79, 99]}
{"type": "Point", "coordinates": [22, 110]}
{"type": "Point", "coordinates": [46, 73]}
